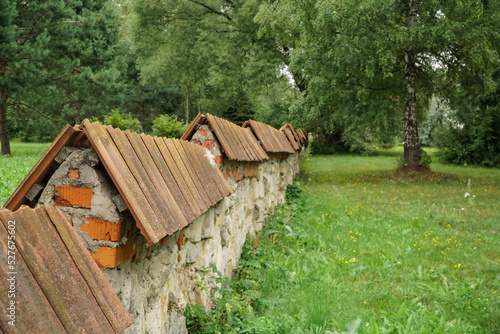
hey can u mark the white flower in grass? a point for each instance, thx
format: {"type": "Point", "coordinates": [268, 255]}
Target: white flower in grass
{"type": "Point", "coordinates": [466, 194]}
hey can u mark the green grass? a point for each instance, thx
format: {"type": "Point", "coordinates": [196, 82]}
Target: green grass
{"type": "Point", "coordinates": [14, 168]}
{"type": "Point", "coordinates": [362, 248]}
{"type": "Point", "coordinates": [369, 249]}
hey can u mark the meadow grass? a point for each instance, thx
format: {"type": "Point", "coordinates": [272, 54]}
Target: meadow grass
{"type": "Point", "coordinates": [366, 249]}
{"type": "Point", "coordinates": [14, 168]}
{"type": "Point", "coordinates": [360, 248]}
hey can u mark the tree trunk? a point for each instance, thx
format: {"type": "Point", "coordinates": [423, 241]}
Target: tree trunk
{"type": "Point", "coordinates": [78, 107]}
{"type": "Point", "coordinates": [187, 106]}
{"type": "Point", "coordinates": [410, 124]}
{"type": "Point", "coordinates": [4, 130]}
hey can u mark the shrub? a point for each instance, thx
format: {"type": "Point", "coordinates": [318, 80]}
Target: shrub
{"type": "Point", "coordinates": [474, 138]}
{"type": "Point", "coordinates": [122, 121]}
{"type": "Point", "coordinates": [168, 126]}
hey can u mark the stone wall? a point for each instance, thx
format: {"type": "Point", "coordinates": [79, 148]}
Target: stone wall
{"type": "Point", "coordinates": [156, 286]}
{"type": "Point", "coordinates": [155, 283]}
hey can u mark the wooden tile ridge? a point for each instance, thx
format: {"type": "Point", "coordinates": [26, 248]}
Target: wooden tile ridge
{"type": "Point", "coordinates": [223, 137]}
{"type": "Point", "coordinates": [104, 294]}
{"type": "Point", "coordinates": [188, 134]}
{"type": "Point", "coordinates": [146, 187]}
{"type": "Point", "coordinates": [127, 186]}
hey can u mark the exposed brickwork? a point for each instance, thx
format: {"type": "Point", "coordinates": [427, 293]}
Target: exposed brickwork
{"type": "Point", "coordinates": [208, 144]}
{"type": "Point", "coordinates": [73, 196]}
{"type": "Point", "coordinates": [180, 240]}
{"type": "Point", "coordinates": [107, 257]}
{"type": "Point", "coordinates": [74, 174]}
{"type": "Point", "coordinates": [203, 132]}
{"type": "Point", "coordinates": [240, 172]}
{"type": "Point", "coordinates": [279, 155]}
{"type": "Point", "coordinates": [100, 229]}
{"type": "Point", "coordinates": [219, 160]}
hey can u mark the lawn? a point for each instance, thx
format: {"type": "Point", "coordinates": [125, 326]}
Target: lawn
{"type": "Point", "coordinates": [14, 168]}
{"type": "Point", "coordinates": [365, 249]}
{"type": "Point", "coordinates": [359, 248]}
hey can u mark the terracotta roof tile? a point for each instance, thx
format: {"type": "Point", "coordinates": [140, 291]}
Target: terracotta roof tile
{"type": "Point", "coordinates": [238, 143]}
{"type": "Point", "coordinates": [136, 164]}
{"type": "Point", "coordinates": [291, 135]}
{"type": "Point", "coordinates": [271, 139]}
{"type": "Point", "coordinates": [166, 183]}
{"type": "Point", "coordinates": [59, 288]}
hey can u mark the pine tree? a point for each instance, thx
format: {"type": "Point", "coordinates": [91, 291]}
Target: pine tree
{"type": "Point", "coordinates": [7, 51]}
{"type": "Point", "coordinates": [64, 62]}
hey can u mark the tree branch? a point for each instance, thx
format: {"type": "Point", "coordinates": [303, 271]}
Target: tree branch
{"type": "Point", "coordinates": [76, 72]}
{"type": "Point", "coordinates": [212, 10]}
{"type": "Point", "coordinates": [433, 83]}
{"type": "Point", "coordinates": [33, 27]}
{"type": "Point", "coordinates": [18, 104]}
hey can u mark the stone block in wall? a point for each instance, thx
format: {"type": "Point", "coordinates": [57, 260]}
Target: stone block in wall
{"type": "Point", "coordinates": [225, 235]}
{"type": "Point", "coordinates": [73, 196]}
{"type": "Point", "coordinates": [193, 231]}
{"type": "Point", "coordinates": [35, 190]}
{"type": "Point", "coordinates": [120, 203]}
{"type": "Point", "coordinates": [208, 226]}
{"type": "Point", "coordinates": [193, 252]}
{"type": "Point", "coordinates": [64, 153]}
{"type": "Point", "coordinates": [176, 323]}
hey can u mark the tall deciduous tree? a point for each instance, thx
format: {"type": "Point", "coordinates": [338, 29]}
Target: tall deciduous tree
{"type": "Point", "coordinates": [382, 54]}
{"type": "Point", "coordinates": [208, 48]}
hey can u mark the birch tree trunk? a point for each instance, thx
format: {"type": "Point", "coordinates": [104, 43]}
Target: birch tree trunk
{"type": "Point", "coordinates": [410, 124]}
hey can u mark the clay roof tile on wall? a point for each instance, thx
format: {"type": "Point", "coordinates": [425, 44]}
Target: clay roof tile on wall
{"type": "Point", "coordinates": [271, 139]}
{"type": "Point", "coordinates": [238, 143]}
{"type": "Point", "coordinates": [166, 183]}
{"type": "Point", "coordinates": [59, 288]}
{"type": "Point", "coordinates": [291, 135]}
{"type": "Point", "coordinates": [302, 136]}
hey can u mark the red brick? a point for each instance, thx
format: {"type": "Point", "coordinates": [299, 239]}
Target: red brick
{"type": "Point", "coordinates": [73, 196]}
{"type": "Point", "coordinates": [108, 257]}
{"type": "Point", "coordinates": [180, 241]}
{"type": "Point", "coordinates": [100, 229]}
{"type": "Point", "coordinates": [208, 144]}
{"type": "Point", "coordinates": [203, 132]}
{"type": "Point", "coordinates": [74, 174]}
{"type": "Point", "coordinates": [219, 160]}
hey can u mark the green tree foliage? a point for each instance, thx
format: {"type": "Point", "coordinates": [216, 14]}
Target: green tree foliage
{"type": "Point", "coordinates": [368, 63]}
{"type": "Point", "coordinates": [146, 102]}
{"type": "Point", "coordinates": [66, 63]}
{"type": "Point", "coordinates": [470, 130]}
{"type": "Point", "coordinates": [7, 51]}
{"type": "Point", "coordinates": [168, 126]}
{"type": "Point", "coordinates": [469, 134]}
{"type": "Point", "coordinates": [240, 110]}
{"type": "Point", "coordinates": [209, 49]}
